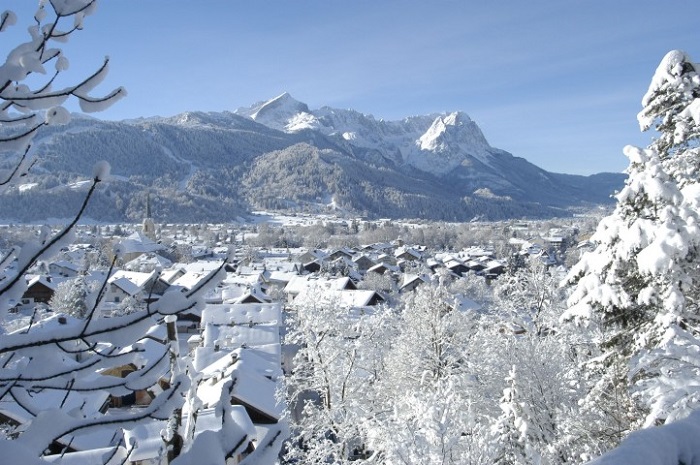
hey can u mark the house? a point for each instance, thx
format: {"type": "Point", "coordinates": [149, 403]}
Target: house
{"type": "Point", "coordinates": [456, 267]}
{"type": "Point", "coordinates": [24, 404]}
{"type": "Point", "coordinates": [40, 289]}
{"type": "Point", "coordinates": [234, 325]}
{"type": "Point", "coordinates": [133, 284]}
{"type": "Point", "coordinates": [493, 268]}
{"type": "Point", "coordinates": [64, 268]}
{"type": "Point", "coordinates": [250, 389]}
{"type": "Point", "coordinates": [382, 268]}
{"type": "Point", "coordinates": [314, 255]}
{"type": "Point", "coordinates": [148, 262]}
{"type": "Point", "coordinates": [312, 267]}
{"type": "Point", "coordinates": [341, 298]}
{"type": "Point", "coordinates": [300, 283]}
{"type": "Point", "coordinates": [135, 245]}
{"type": "Point", "coordinates": [411, 281]}
{"type": "Point", "coordinates": [363, 263]}
{"type": "Point", "coordinates": [345, 252]}
{"type": "Point", "coordinates": [149, 447]}
{"type": "Point", "coordinates": [151, 347]}
{"type": "Point", "coordinates": [244, 294]}
{"type": "Point", "coordinates": [407, 254]}
{"type": "Point", "coordinates": [196, 273]}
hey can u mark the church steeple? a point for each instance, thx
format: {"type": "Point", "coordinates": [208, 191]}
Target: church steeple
{"type": "Point", "coordinates": [148, 227]}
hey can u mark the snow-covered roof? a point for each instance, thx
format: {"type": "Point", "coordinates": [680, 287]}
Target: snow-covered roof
{"type": "Point", "coordinates": [138, 243]}
{"type": "Point", "coordinates": [233, 337]}
{"type": "Point", "coordinates": [242, 314]}
{"type": "Point", "coordinates": [343, 298]}
{"type": "Point", "coordinates": [116, 456]}
{"type": "Point", "coordinates": [149, 445]}
{"type": "Point", "coordinates": [65, 264]}
{"type": "Point", "coordinates": [131, 282]}
{"type": "Point", "coordinates": [82, 403]}
{"type": "Point", "coordinates": [51, 283]}
{"type": "Point", "coordinates": [299, 283]}
{"type": "Point", "coordinates": [147, 261]}
{"type": "Point", "coordinates": [409, 278]}
{"type": "Point", "coordinates": [249, 389]}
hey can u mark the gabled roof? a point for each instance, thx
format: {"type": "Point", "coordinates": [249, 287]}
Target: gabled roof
{"type": "Point", "coordinates": [344, 298]}
{"type": "Point", "coordinates": [50, 283]}
{"type": "Point", "coordinates": [65, 264]}
{"type": "Point", "coordinates": [138, 243]}
{"type": "Point", "coordinates": [148, 260]}
{"type": "Point", "coordinates": [131, 282]}
{"type": "Point", "coordinates": [195, 273]}
{"type": "Point", "coordinates": [382, 267]}
{"type": "Point", "coordinates": [407, 251]}
{"type": "Point", "coordinates": [298, 283]}
{"type": "Point", "coordinates": [149, 445]}
{"type": "Point", "coordinates": [410, 279]}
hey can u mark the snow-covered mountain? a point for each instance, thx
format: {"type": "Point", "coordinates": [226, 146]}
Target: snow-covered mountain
{"type": "Point", "coordinates": [215, 166]}
{"type": "Point", "coordinates": [436, 144]}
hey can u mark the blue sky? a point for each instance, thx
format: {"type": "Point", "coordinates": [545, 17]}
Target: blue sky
{"type": "Point", "coordinates": [556, 82]}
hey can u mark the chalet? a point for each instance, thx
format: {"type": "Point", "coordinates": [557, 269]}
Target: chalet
{"type": "Point", "coordinates": [196, 273]}
{"type": "Point", "coordinates": [411, 281]}
{"type": "Point", "coordinates": [171, 275]}
{"type": "Point", "coordinates": [344, 252]}
{"type": "Point", "coordinates": [151, 347]}
{"type": "Point", "coordinates": [236, 325]}
{"type": "Point", "coordinates": [456, 266]}
{"type": "Point", "coordinates": [314, 255]}
{"type": "Point", "coordinates": [276, 279]}
{"type": "Point", "coordinates": [40, 289]}
{"type": "Point", "coordinates": [239, 293]}
{"type": "Point", "coordinates": [312, 267]}
{"type": "Point", "coordinates": [407, 254]}
{"type": "Point", "coordinates": [476, 266]}
{"type": "Point", "coordinates": [493, 268]}
{"type": "Point", "coordinates": [378, 247]}
{"type": "Point", "coordinates": [363, 263]}
{"type": "Point", "coordinates": [382, 268]}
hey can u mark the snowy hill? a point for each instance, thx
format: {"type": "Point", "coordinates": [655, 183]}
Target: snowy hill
{"type": "Point", "coordinates": [215, 166]}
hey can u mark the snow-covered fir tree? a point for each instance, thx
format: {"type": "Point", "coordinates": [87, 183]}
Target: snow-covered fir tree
{"type": "Point", "coordinates": [637, 291]}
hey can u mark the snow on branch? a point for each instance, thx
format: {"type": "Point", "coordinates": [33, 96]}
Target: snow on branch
{"type": "Point", "coordinates": [670, 444]}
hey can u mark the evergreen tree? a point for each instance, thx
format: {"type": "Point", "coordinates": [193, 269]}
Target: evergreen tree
{"type": "Point", "coordinates": [638, 286]}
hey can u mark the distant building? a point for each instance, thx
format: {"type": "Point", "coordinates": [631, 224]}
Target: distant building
{"type": "Point", "coordinates": [148, 227]}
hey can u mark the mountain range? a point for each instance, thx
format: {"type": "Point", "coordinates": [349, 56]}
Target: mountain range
{"type": "Point", "coordinates": [279, 154]}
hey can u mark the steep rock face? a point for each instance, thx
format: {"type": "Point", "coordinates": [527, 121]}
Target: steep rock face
{"type": "Point", "coordinates": [200, 166]}
{"type": "Point", "coordinates": [279, 112]}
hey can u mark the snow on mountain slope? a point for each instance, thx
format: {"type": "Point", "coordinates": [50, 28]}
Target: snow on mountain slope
{"type": "Point", "coordinates": [282, 112]}
{"type": "Point", "coordinates": [436, 166]}
{"type": "Point", "coordinates": [434, 143]}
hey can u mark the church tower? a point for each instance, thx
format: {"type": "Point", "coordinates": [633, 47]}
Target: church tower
{"type": "Point", "coordinates": [148, 227]}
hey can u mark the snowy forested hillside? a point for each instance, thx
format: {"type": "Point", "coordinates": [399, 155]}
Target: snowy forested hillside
{"type": "Point", "coordinates": [217, 166]}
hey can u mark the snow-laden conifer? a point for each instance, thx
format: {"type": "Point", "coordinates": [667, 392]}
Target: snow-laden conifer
{"type": "Point", "coordinates": [638, 288]}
